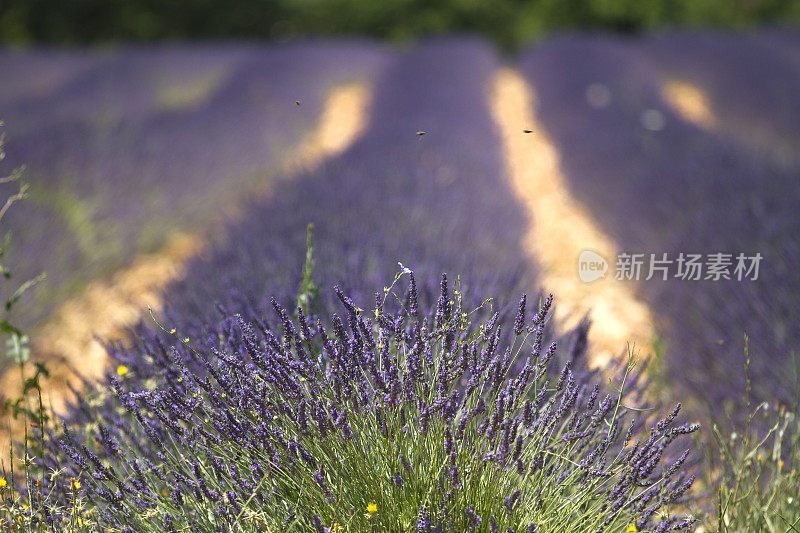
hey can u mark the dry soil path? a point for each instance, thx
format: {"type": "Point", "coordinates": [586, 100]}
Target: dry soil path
{"type": "Point", "coordinates": [560, 229]}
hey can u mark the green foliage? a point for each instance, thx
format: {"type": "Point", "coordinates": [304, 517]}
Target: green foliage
{"type": "Point", "coordinates": [511, 23]}
{"type": "Point", "coordinates": [30, 409]}
{"type": "Point", "coordinates": [759, 489]}
{"type": "Point", "coordinates": [308, 293]}
{"type": "Point", "coordinates": [16, 341]}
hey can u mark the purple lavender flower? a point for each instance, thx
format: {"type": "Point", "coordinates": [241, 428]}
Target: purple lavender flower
{"type": "Point", "coordinates": [519, 320]}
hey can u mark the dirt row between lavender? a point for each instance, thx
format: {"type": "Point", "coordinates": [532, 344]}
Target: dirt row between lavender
{"type": "Point", "coordinates": [560, 229]}
{"type": "Point", "coordinates": [68, 342]}
{"type": "Point", "coordinates": [691, 104]}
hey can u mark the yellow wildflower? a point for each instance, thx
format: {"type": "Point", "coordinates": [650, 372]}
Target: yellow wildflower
{"type": "Point", "coordinates": [372, 507]}
{"type": "Point", "coordinates": [3, 483]}
{"type": "Point", "coordinates": [122, 370]}
{"type": "Point", "coordinates": [631, 528]}
{"type": "Point", "coordinates": [75, 483]}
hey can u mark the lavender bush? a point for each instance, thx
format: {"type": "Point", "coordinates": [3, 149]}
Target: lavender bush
{"type": "Point", "coordinates": [399, 418]}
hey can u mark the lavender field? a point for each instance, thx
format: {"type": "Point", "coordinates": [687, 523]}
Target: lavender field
{"type": "Point", "coordinates": [364, 338]}
{"type": "Point", "coordinates": [676, 188]}
{"type": "Point", "coordinates": [126, 148]}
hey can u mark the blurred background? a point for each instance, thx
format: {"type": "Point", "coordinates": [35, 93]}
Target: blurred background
{"type": "Point", "coordinates": [155, 132]}
{"type": "Point", "coordinates": [509, 23]}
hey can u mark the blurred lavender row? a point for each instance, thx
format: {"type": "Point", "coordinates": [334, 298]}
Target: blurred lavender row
{"type": "Point", "coordinates": [660, 185]}
{"type": "Point", "coordinates": [437, 202]}
{"type": "Point", "coordinates": [125, 147]}
{"type": "Point", "coordinates": [751, 82]}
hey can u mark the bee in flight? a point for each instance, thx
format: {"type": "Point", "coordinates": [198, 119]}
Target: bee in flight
{"type": "Point", "coordinates": [527, 131]}
{"type": "Point", "coordinates": [297, 102]}
{"type": "Point", "coordinates": [421, 133]}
